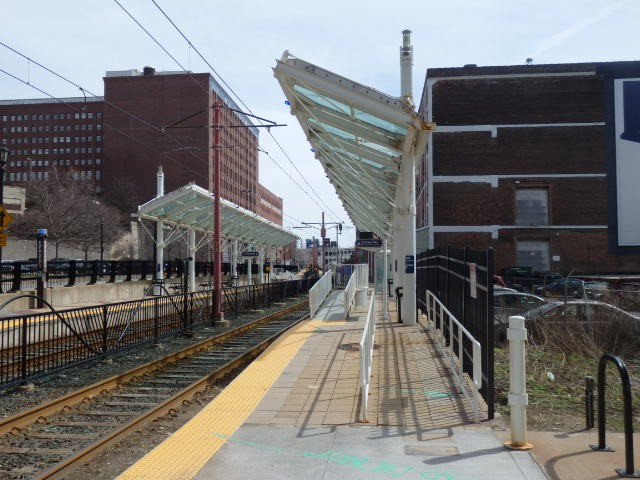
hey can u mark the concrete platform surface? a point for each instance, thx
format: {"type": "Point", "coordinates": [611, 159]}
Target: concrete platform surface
{"type": "Point", "coordinates": [295, 414]}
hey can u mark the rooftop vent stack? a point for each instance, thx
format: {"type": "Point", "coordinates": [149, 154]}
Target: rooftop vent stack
{"type": "Point", "coordinates": [148, 71]}
{"type": "Point", "coordinates": [406, 70]}
{"type": "Point", "coordinates": [160, 182]}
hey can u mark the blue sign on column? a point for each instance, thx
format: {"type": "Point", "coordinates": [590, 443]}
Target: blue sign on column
{"type": "Point", "coordinates": [409, 264]}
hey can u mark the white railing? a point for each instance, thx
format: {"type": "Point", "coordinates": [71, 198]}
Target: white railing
{"type": "Point", "coordinates": [361, 271]}
{"type": "Point", "coordinates": [349, 295]}
{"type": "Point", "coordinates": [359, 279]}
{"type": "Point", "coordinates": [319, 292]}
{"type": "Point", "coordinates": [436, 310]}
{"type": "Point", "coordinates": [366, 357]}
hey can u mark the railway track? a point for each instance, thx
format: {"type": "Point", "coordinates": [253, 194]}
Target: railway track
{"type": "Point", "coordinates": [51, 439]}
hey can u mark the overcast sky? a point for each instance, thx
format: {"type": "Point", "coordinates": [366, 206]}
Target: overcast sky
{"type": "Point", "coordinates": [360, 40]}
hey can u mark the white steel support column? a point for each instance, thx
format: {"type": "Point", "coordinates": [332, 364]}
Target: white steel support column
{"type": "Point", "coordinates": [407, 196]}
{"type": "Point", "coordinates": [234, 261]}
{"type": "Point", "coordinates": [191, 246]}
{"type": "Point", "coordinates": [406, 239]}
{"type": "Point", "coordinates": [385, 278]}
{"type": "Point", "coordinates": [159, 273]}
{"type": "Point", "coordinates": [249, 265]}
{"type": "Point", "coordinates": [262, 252]}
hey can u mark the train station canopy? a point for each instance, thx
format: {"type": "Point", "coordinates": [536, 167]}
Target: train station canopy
{"type": "Point", "coordinates": [360, 136]}
{"type": "Point", "coordinates": [191, 207]}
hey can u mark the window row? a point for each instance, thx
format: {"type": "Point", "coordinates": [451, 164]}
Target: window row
{"type": "Point", "coordinates": [55, 151]}
{"type": "Point", "coordinates": [55, 116]}
{"type": "Point", "coordinates": [27, 141]}
{"type": "Point", "coordinates": [60, 162]}
{"type": "Point", "coordinates": [26, 176]}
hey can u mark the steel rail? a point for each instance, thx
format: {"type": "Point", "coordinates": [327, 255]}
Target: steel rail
{"type": "Point", "coordinates": [171, 404]}
{"type": "Point", "coordinates": [16, 423]}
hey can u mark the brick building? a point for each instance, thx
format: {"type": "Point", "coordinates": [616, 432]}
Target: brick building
{"type": "Point", "coordinates": [43, 134]}
{"type": "Point", "coordinates": [530, 160]}
{"type": "Point", "coordinates": [145, 120]}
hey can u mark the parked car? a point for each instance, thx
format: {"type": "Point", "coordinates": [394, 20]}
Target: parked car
{"type": "Point", "coordinates": [581, 310]}
{"type": "Point", "coordinates": [574, 287]}
{"type": "Point", "coordinates": [526, 279]}
{"type": "Point", "coordinates": [507, 302]}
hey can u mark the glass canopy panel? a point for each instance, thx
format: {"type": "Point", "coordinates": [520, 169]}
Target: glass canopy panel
{"type": "Point", "coordinates": [333, 130]}
{"type": "Point", "coordinates": [381, 148]}
{"type": "Point", "coordinates": [323, 101]}
{"type": "Point", "coordinates": [380, 123]}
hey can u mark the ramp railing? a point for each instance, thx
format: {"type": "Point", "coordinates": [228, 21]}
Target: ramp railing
{"type": "Point", "coordinates": [362, 275]}
{"type": "Point", "coordinates": [454, 341]}
{"type": "Point", "coordinates": [359, 279]}
{"type": "Point", "coordinates": [349, 295]}
{"type": "Point", "coordinates": [366, 357]}
{"type": "Point", "coordinates": [319, 292]}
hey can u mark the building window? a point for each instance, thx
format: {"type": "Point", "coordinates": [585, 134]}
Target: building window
{"type": "Point", "coordinates": [532, 206]}
{"type": "Point", "coordinates": [534, 254]}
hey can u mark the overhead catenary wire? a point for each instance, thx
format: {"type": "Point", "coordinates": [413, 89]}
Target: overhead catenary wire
{"type": "Point", "coordinates": [71, 107]}
{"type": "Point", "coordinates": [144, 122]}
{"type": "Point", "coordinates": [248, 109]}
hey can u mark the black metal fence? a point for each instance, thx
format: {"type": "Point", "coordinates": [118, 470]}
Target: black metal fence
{"type": "Point", "coordinates": [83, 334]}
{"type": "Point", "coordinates": [462, 279]}
{"type": "Point", "coordinates": [17, 276]}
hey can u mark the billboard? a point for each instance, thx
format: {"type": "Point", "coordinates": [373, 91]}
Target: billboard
{"type": "Point", "coordinates": [627, 147]}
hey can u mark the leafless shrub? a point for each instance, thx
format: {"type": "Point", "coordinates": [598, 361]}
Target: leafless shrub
{"type": "Point", "coordinates": [593, 337]}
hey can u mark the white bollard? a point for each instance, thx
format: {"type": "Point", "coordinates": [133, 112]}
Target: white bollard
{"type": "Point", "coordinates": [518, 398]}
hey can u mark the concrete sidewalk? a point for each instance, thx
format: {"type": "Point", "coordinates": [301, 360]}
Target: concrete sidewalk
{"type": "Point", "coordinates": [307, 425]}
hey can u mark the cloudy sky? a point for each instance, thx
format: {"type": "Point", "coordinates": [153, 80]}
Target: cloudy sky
{"type": "Point", "coordinates": [241, 41]}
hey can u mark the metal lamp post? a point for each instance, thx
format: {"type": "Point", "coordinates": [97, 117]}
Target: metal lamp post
{"type": "Point", "coordinates": [4, 156]}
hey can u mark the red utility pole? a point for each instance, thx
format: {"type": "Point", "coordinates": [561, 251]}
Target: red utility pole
{"type": "Point", "coordinates": [217, 251]}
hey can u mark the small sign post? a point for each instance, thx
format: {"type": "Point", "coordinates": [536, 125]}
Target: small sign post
{"type": "Point", "coordinates": [41, 256]}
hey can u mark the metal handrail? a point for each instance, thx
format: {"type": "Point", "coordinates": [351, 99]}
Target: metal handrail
{"type": "Point", "coordinates": [629, 470]}
{"type": "Point", "coordinates": [437, 311]}
{"type": "Point", "coordinates": [349, 295]}
{"type": "Point", "coordinates": [319, 292]}
{"type": "Point", "coordinates": [359, 279]}
{"type": "Point", "coordinates": [366, 357]}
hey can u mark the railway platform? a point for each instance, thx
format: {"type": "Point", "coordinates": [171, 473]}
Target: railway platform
{"type": "Point", "coordinates": [294, 413]}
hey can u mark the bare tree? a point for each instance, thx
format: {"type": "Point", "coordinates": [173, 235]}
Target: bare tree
{"type": "Point", "coordinates": [70, 213]}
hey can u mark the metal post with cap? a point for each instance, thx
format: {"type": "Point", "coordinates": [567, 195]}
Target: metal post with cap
{"type": "Point", "coordinates": [4, 156]}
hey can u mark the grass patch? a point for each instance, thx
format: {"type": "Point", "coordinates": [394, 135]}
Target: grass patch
{"type": "Point", "coordinates": [556, 378]}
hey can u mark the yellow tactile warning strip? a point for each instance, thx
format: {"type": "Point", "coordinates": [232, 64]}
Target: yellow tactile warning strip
{"type": "Point", "coordinates": [194, 444]}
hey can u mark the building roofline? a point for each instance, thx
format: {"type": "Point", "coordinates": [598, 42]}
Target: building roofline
{"type": "Point", "coordinates": [36, 101]}
{"type": "Point", "coordinates": [473, 70]}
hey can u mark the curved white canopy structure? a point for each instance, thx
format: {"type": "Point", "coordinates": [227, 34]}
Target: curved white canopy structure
{"type": "Point", "coordinates": [191, 207]}
{"type": "Point", "coordinates": [360, 136]}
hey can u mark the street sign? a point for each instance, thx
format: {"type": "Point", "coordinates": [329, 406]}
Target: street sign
{"type": "Point", "coordinates": [5, 217]}
{"type": "Point", "coordinates": [249, 253]}
{"type": "Point", "coordinates": [369, 242]}
{"type": "Point", "coordinates": [3, 239]}
{"type": "Point", "coordinates": [409, 264]}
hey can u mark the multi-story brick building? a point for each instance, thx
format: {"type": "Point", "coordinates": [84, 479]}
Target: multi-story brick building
{"type": "Point", "coordinates": [145, 120]}
{"type": "Point", "coordinates": [44, 134]}
{"type": "Point", "coordinates": [530, 160]}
